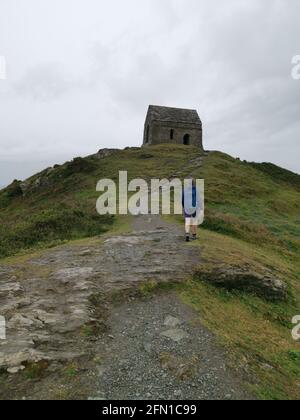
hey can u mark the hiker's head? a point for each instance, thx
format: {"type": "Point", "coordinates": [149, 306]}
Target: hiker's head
{"type": "Point", "coordinates": [193, 182]}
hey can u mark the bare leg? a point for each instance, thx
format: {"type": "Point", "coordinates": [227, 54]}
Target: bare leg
{"type": "Point", "coordinates": [194, 230]}
{"type": "Point", "coordinates": [187, 228]}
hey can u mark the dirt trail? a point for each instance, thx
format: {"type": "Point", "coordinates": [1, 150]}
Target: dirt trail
{"type": "Point", "coordinates": [58, 314]}
{"type": "Point", "coordinates": [157, 347]}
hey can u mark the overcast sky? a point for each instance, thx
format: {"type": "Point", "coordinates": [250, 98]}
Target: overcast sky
{"type": "Point", "coordinates": [81, 74]}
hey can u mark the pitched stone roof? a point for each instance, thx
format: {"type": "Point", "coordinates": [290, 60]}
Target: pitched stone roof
{"type": "Point", "coordinates": [162, 113]}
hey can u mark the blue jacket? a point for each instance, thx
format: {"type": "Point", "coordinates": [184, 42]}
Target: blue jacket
{"type": "Point", "coordinates": [191, 202]}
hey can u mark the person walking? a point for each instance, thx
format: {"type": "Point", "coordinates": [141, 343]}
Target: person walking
{"type": "Point", "coordinates": [192, 205]}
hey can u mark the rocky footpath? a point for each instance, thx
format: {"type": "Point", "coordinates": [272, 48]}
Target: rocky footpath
{"type": "Point", "coordinates": [158, 350]}
{"type": "Point", "coordinates": [87, 311]}
{"type": "Point", "coordinates": [50, 301]}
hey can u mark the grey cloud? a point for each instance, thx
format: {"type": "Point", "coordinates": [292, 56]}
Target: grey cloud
{"type": "Point", "coordinates": [44, 82]}
{"type": "Point", "coordinates": [230, 60]}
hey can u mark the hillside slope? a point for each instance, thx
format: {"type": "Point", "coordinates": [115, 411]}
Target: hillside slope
{"type": "Point", "coordinates": [59, 203]}
{"type": "Point", "coordinates": [252, 223]}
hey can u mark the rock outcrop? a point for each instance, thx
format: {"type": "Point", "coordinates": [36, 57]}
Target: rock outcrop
{"type": "Point", "coordinates": [103, 153]}
{"type": "Point", "coordinates": [54, 304]}
{"type": "Point", "coordinates": [263, 284]}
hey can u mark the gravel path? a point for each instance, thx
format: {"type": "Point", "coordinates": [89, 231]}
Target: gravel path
{"type": "Point", "coordinates": [158, 350]}
{"type": "Point", "coordinates": [152, 348]}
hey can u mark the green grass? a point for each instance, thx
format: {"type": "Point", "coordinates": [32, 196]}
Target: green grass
{"type": "Point", "coordinates": [246, 203]}
{"type": "Point", "coordinates": [34, 371]}
{"type": "Point", "coordinates": [243, 200]}
{"type": "Point", "coordinates": [257, 342]}
{"type": "Point", "coordinates": [256, 333]}
{"type": "Point", "coordinates": [63, 206]}
{"type": "Point", "coordinates": [252, 219]}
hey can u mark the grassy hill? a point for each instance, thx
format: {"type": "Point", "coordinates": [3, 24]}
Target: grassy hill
{"type": "Point", "coordinates": [252, 220]}
{"type": "Point", "coordinates": [60, 203]}
{"type": "Point", "coordinates": [250, 201]}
